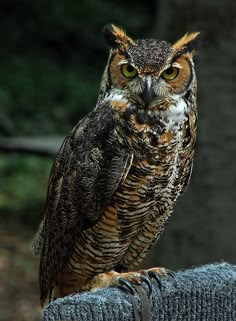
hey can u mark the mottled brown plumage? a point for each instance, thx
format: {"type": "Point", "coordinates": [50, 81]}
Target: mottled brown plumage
{"type": "Point", "coordinates": [120, 171]}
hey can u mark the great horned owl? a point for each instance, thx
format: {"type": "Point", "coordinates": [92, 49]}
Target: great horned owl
{"type": "Point", "coordinates": [119, 172]}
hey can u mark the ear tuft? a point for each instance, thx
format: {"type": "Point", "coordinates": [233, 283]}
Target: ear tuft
{"type": "Point", "coordinates": [109, 34]}
{"type": "Point", "coordinates": [116, 37]}
{"type": "Point", "coordinates": [188, 43]}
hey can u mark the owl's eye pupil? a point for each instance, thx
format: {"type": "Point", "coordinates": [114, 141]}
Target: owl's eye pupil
{"type": "Point", "coordinates": [169, 71]}
{"type": "Point", "coordinates": [130, 68]}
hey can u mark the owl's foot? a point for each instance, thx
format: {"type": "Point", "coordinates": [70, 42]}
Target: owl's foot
{"type": "Point", "coordinates": [128, 279]}
{"type": "Point", "coordinates": [158, 273]}
{"type": "Point", "coordinates": [112, 278]}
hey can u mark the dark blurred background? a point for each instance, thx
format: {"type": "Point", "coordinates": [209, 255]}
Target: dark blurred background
{"type": "Point", "coordinates": [51, 61]}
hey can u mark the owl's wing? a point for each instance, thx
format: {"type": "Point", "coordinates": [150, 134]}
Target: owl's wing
{"type": "Point", "coordinates": [89, 167]}
{"type": "Point", "coordinates": [186, 163]}
{"type": "Point", "coordinates": [186, 178]}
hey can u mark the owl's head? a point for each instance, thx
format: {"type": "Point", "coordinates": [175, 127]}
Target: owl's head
{"type": "Point", "coordinates": [149, 69]}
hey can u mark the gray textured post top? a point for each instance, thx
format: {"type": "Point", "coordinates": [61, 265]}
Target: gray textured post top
{"type": "Point", "coordinates": [207, 293]}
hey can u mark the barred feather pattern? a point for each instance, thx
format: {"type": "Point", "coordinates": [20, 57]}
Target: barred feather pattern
{"type": "Point", "coordinates": [142, 204]}
{"type": "Point", "coordinates": [120, 171]}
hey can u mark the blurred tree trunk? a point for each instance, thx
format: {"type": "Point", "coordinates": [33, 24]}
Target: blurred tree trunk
{"type": "Point", "coordinates": [202, 228]}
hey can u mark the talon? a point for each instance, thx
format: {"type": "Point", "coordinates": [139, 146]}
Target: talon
{"type": "Point", "coordinates": [155, 276]}
{"type": "Point", "coordinates": [124, 282]}
{"type": "Point", "coordinates": [171, 274]}
{"type": "Point", "coordinates": [147, 281]}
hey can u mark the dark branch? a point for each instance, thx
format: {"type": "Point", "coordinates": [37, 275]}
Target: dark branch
{"type": "Point", "coordinates": [40, 146]}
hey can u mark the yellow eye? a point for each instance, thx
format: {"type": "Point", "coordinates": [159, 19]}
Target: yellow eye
{"type": "Point", "coordinates": [170, 73]}
{"type": "Point", "coordinates": [128, 71]}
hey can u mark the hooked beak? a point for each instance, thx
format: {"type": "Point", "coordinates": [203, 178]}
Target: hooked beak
{"type": "Point", "coordinates": [147, 92]}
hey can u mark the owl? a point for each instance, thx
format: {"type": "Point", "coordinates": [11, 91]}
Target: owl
{"type": "Point", "coordinates": [119, 173]}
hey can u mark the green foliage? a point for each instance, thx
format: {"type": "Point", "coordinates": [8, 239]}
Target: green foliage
{"type": "Point", "coordinates": [23, 187]}
{"type": "Point", "coordinates": [51, 60]}
{"type": "Point", "coordinates": [42, 97]}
